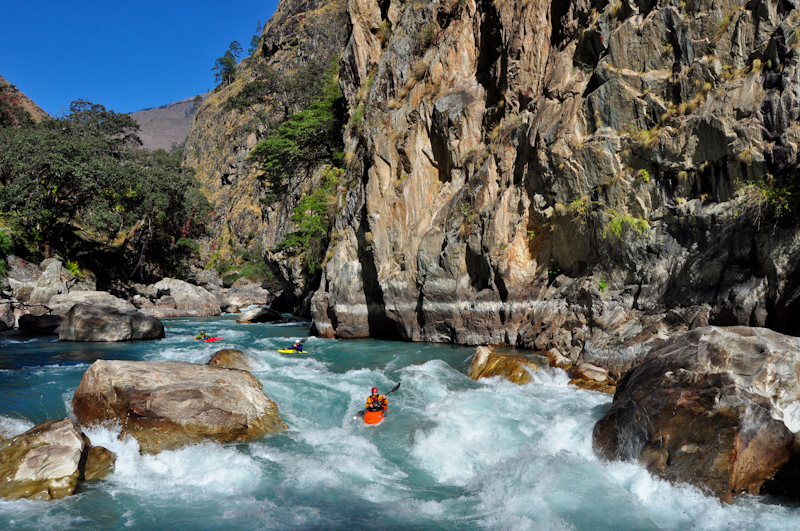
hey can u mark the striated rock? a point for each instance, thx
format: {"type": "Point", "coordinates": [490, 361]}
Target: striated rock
{"type": "Point", "coordinates": [259, 315]}
{"type": "Point", "coordinates": [177, 298]}
{"type": "Point", "coordinates": [244, 292]}
{"type": "Point", "coordinates": [169, 404]}
{"type": "Point", "coordinates": [715, 407]}
{"type": "Point", "coordinates": [102, 323]}
{"type": "Point", "coordinates": [40, 325]}
{"type": "Point", "coordinates": [61, 304]}
{"type": "Point", "coordinates": [22, 277]}
{"type": "Point", "coordinates": [230, 359]}
{"type": "Point", "coordinates": [487, 363]}
{"type": "Point", "coordinates": [49, 460]}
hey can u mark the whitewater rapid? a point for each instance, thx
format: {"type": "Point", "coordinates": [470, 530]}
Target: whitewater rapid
{"type": "Point", "coordinates": [452, 453]}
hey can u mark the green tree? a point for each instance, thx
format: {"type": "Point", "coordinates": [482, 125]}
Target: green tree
{"type": "Point", "coordinates": [82, 172]}
{"type": "Point", "coordinates": [306, 139]}
{"type": "Point", "coordinates": [225, 66]}
{"type": "Point", "coordinates": [255, 39]}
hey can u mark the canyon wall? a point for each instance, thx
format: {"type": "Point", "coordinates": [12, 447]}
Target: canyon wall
{"type": "Point", "coordinates": [585, 176]}
{"type": "Point", "coordinates": [223, 135]}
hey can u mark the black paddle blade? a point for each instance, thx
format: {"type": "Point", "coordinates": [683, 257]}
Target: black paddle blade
{"type": "Point", "coordinates": [396, 387]}
{"type": "Point", "coordinates": [359, 414]}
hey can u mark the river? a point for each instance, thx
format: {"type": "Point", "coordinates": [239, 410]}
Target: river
{"type": "Point", "coordinates": [451, 454]}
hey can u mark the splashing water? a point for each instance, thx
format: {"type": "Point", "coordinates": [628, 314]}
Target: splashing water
{"type": "Point", "coordinates": [451, 454]}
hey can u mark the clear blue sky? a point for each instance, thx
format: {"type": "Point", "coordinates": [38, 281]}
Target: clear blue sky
{"type": "Point", "coordinates": [127, 56]}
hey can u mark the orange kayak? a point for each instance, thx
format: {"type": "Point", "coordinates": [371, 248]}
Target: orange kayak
{"type": "Point", "coordinates": [374, 417]}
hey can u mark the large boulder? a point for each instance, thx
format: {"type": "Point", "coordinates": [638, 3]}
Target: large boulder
{"type": "Point", "coordinates": [259, 315]}
{"type": "Point", "coordinates": [245, 292]}
{"type": "Point", "coordinates": [487, 363]}
{"type": "Point", "coordinates": [210, 280]}
{"type": "Point", "coordinates": [22, 277]}
{"type": "Point", "coordinates": [715, 407]}
{"type": "Point", "coordinates": [168, 404]}
{"type": "Point", "coordinates": [62, 303]}
{"type": "Point", "coordinates": [47, 461]}
{"type": "Point", "coordinates": [176, 298]}
{"type": "Point", "coordinates": [230, 359]}
{"type": "Point", "coordinates": [102, 323]}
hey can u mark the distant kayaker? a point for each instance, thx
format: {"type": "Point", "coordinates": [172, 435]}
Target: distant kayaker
{"type": "Point", "coordinates": [202, 335]}
{"type": "Point", "coordinates": [376, 402]}
{"type": "Point", "coordinates": [297, 346]}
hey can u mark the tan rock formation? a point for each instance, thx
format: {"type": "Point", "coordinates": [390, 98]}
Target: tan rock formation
{"type": "Point", "coordinates": [168, 404]}
{"type": "Point", "coordinates": [49, 460]}
{"type": "Point", "coordinates": [487, 363]}
{"type": "Point", "coordinates": [230, 359]}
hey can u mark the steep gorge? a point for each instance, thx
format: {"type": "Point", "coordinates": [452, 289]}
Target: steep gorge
{"type": "Point", "coordinates": [585, 176]}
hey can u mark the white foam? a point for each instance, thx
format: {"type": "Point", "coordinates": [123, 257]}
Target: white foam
{"type": "Point", "coordinates": [11, 427]}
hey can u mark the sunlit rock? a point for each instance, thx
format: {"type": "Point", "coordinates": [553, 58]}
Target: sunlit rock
{"type": "Point", "coordinates": [715, 407]}
{"type": "Point", "coordinates": [61, 304]}
{"type": "Point", "coordinates": [244, 292]}
{"type": "Point", "coordinates": [230, 359]}
{"type": "Point", "coordinates": [47, 461]}
{"type": "Point", "coordinates": [487, 363]}
{"type": "Point", "coordinates": [100, 323]}
{"type": "Point", "coordinates": [176, 298]}
{"type": "Point", "coordinates": [168, 404]}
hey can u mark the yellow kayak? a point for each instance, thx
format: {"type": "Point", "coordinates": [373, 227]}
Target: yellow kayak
{"type": "Point", "coordinates": [288, 351]}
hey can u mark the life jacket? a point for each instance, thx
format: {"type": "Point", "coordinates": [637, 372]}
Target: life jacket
{"type": "Point", "coordinates": [374, 403]}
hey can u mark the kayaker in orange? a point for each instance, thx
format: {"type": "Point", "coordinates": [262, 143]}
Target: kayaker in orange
{"type": "Point", "coordinates": [376, 401]}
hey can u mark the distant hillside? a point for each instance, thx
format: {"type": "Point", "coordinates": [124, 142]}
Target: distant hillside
{"type": "Point", "coordinates": [165, 125]}
{"type": "Point", "coordinates": [37, 112]}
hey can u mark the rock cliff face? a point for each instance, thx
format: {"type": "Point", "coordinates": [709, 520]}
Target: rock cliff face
{"type": "Point", "coordinates": [586, 176]}
{"type": "Point", "coordinates": [223, 136]}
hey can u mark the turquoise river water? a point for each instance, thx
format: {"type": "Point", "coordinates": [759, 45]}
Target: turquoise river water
{"type": "Point", "coordinates": [451, 454]}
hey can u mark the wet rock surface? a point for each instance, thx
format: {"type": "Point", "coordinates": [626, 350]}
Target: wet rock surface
{"type": "Point", "coordinates": [230, 359]}
{"type": "Point", "coordinates": [48, 461]}
{"type": "Point", "coordinates": [168, 404]}
{"type": "Point", "coordinates": [715, 407]}
{"type": "Point", "coordinates": [101, 323]}
{"type": "Point", "coordinates": [487, 363]}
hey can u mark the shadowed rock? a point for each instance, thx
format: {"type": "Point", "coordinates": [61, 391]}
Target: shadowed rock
{"type": "Point", "coordinates": [715, 407]}
{"type": "Point", "coordinates": [259, 315]}
{"type": "Point", "coordinates": [47, 461]}
{"type": "Point", "coordinates": [230, 359]}
{"type": "Point", "coordinates": [101, 323]}
{"type": "Point", "coordinates": [40, 325]}
{"type": "Point", "coordinates": [168, 404]}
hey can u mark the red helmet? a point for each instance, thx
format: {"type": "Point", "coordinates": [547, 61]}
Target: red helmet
{"type": "Point", "coordinates": [374, 390]}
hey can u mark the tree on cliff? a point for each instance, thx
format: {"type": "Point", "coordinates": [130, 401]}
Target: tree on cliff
{"type": "Point", "coordinates": [225, 66]}
{"type": "Point", "coordinates": [81, 172]}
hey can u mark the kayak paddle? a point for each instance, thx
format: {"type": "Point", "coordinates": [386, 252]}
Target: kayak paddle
{"type": "Point", "coordinates": [361, 413]}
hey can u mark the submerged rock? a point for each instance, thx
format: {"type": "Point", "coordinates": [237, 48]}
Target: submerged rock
{"type": "Point", "coordinates": [101, 323]}
{"type": "Point", "coordinates": [47, 461]}
{"type": "Point", "coordinates": [230, 359]}
{"type": "Point", "coordinates": [259, 315]}
{"type": "Point", "coordinates": [487, 363]}
{"type": "Point", "coordinates": [168, 404]}
{"type": "Point", "coordinates": [716, 407]}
